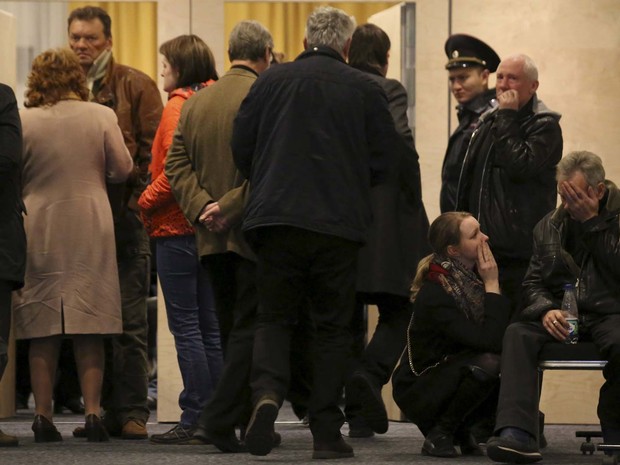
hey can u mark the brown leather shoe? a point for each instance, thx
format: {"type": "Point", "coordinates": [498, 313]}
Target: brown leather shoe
{"type": "Point", "coordinates": [6, 440]}
{"type": "Point", "coordinates": [134, 429]}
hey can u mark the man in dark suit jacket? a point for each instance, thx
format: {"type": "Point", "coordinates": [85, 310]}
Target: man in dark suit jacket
{"type": "Point", "coordinates": [12, 235]}
{"type": "Point", "coordinates": [397, 237]}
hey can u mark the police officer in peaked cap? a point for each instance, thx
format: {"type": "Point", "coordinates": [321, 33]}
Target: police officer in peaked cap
{"type": "Point", "coordinates": [470, 62]}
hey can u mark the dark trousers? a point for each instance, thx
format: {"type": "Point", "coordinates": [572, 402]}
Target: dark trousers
{"type": "Point", "coordinates": [126, 374]}
{"type": "Point", "coordinates": [511, 274]}
{"type": "Point", "coordinates": [5, 323]}
{"type": "Point", "coordinates": [300, 270]}
{"type": "Point", "coordinates": [300, 386]}
{"type": "Point", "coordinates": [518, 397]}
{"type": "Point", "coordinates": [234, 286]}
{"type": "Point", "coordinates": [386, 345]}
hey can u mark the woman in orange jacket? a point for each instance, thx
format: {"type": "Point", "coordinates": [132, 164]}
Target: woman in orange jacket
{"type": "Point", "coordinates": [188, 66]}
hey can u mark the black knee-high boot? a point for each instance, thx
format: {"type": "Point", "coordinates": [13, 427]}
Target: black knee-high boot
{"type": "Point", "coordinates": [475, 387]}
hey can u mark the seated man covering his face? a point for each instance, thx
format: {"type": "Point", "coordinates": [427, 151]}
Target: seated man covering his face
{"type": "Point", "coordinates": [576, 243]}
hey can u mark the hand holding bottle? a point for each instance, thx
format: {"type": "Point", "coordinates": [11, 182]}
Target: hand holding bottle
{"type": "Point", "coordinates": [555, 323]}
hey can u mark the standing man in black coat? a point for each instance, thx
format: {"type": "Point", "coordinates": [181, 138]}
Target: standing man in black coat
{"type": "Point", "coordinates": [311, 136]}
{"type": "Point", "coordinates": [470, 62]}
{"type": "Point", "coordinates": [397, 238]}
{"type": "Point", "coordinates": [508, 176]}
{"type": "Point", "coordinates": [12, 235]}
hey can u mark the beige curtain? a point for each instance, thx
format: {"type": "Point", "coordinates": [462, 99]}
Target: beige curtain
{"type": "Point", "coordinates": [287, 21]}
{"type": "Point", "coordinates": [134, 33]}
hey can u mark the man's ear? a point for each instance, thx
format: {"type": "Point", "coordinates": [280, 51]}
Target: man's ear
{"type": "Point", "coordinates": [345, 49]}
{"type": "Point", "coordinates": [305, 43]}
{"type": "Point", "coordinates": [600, 190]}
{"type": "Point", "coordinates": [485, 76]}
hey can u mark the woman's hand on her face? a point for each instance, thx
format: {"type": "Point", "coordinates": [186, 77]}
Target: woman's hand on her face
{"type": "Point", "coordinates": [487, 268]}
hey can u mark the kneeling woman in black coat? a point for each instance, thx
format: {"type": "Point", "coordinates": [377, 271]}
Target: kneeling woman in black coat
{"type": "Point", "coordinates": [451, 365]}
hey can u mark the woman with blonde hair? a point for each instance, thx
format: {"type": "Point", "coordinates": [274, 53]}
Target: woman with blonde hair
{"type": "Point", "coordinates": [187, 67]}
{"type": "Point", "coordinates": [450, 369]}
{"type": "Point", "coordinates": [71, 148]}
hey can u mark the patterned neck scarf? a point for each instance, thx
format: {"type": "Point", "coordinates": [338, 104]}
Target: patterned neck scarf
{"type": "Point", "coordinates": [462, 284]}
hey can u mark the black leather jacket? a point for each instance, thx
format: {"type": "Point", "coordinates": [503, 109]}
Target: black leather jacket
{"type": "Point", "coordinates": [468, 115]}
{"type": "Point", "coordinates": [508, 176]}
{"type": "Point", "coordinates": [597, 272]}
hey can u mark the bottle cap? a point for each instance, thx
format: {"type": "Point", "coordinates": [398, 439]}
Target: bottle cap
{"type": "Point", "coordinates": [568, 286]}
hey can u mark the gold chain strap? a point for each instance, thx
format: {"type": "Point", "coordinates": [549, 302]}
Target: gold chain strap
{"type": "Point", "coordinates": [410, 352]}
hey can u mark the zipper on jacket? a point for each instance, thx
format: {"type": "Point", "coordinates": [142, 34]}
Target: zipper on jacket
{"type": "Point", "coordinates": [458, 186]}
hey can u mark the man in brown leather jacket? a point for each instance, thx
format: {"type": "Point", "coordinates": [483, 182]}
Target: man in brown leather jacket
{"type": "Point", "coordinates": [135, 99]}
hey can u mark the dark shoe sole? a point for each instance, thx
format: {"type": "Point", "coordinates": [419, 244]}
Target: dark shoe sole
{"type": "Point", "coordinates": [373, 408]}
{"type": "Point", "coordinates": [505, 454]}
{"type": "Point", "coordinates": [178, 442]}
{"type": "Point", "coordinates": [259, 437]}
{"type": "Point", "coordinates": [48, 436]}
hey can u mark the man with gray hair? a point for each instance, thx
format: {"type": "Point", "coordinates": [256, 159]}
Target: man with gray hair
{"type": "Point", "coordinates": [507, 180]}
{"type": "Point", "coordinates": [211, 193]}
{"type": "Point", "coordinates": [311, 137]}
{"type": "Point", "coordinates": [577, 243]}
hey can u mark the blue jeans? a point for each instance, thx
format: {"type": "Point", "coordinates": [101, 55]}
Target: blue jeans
{"type": "Point", "coordinates": [192, 321]}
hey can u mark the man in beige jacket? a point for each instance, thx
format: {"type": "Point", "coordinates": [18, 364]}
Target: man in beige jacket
{"type": "Point", "coordinates": [211, 193]}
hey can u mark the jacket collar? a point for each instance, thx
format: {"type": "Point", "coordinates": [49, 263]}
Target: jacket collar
{"type": "Point", "coordinates": [188, 91]}
{"type": "Point", "coordinates": [247, 68]}
{"type": "Point", "coordinates": [534, 107]}
{"type": "Point", "coordinates": [480, 103]}
{"type": "Point", "coordinates": [369, 69]}
{"type": "Point", "coordinates": [314, 50]}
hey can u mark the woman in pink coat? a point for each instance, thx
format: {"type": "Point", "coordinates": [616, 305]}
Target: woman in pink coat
{"type": "Point", "coordinates": [71, 148]}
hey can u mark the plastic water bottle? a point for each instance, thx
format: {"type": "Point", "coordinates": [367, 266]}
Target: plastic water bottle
{"type": "Point", "coordinates": [569, 307]}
